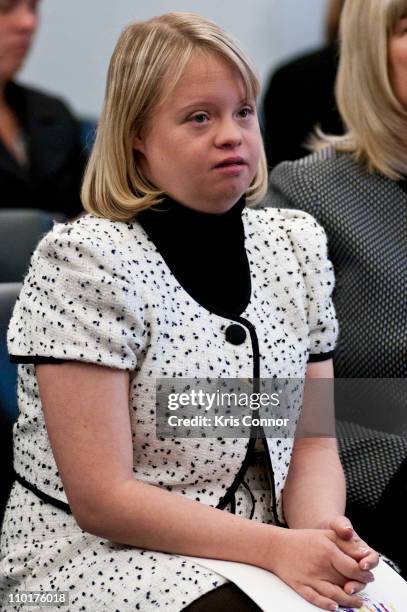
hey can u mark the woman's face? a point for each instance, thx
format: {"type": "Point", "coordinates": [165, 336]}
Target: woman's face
{"type": "Point", "coordinates": [18, 22]}
{"type": "Point", "coordinates": [203, 143]}
{"type": "Point", "coordinates": [398, 61]}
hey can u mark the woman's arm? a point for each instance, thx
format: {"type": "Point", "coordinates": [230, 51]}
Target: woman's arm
{"type": "Point", "coordinates": [86, 410]}
{"type": "Point", "coordinates": [315, 490]}
{"type": "Point", "coordinates": [314, 495]}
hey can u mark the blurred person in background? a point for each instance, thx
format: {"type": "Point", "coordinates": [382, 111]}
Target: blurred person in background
{"type": "Point", "coordinates": [300, 95]}
{"type": "Point", "coordinates": [355, 186]}
{"type": "Point", "coordinates": [41, 158]}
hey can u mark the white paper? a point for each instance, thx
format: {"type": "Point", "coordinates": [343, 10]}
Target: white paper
{"type": "Point", "coordinates": [388, 593]}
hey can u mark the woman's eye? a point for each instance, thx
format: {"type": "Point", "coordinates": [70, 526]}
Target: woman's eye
{"type": "Point", "coordinates": [200, 118]}
{"type": "Point", "coordinates": [246, 111]}
{"type": "Point", "coordinates": [7, 5]}
{"type": "Point", "coordinates": [402, 26]}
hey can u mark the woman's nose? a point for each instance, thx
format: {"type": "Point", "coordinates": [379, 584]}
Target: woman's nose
{"type": "Point", "coordinates": [228, 134]}
{"type": "Point", "coordinates": [26, 16]}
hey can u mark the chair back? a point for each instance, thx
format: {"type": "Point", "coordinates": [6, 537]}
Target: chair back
{"type": "Point", "coordinates": [8, 395]}
{"type": "Point", "coordinates": [20, 231]}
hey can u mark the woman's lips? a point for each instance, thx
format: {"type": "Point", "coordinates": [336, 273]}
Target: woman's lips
{"type": "Point", "coordinates": [231, 166]}
{"type": "Point", "coordinates": [20, 49]}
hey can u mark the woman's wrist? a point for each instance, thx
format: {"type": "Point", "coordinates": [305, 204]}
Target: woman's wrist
{"type": "Point", "coordinates": [324, 522]}
{"type": "Point", "coordinates": [266, 543]}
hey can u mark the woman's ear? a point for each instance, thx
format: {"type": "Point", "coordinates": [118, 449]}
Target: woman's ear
{"type": "Point", "coordinates": [138, 143]}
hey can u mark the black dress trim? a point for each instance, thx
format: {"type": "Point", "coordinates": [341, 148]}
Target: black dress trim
{"type": "Point", "coordinates": [255, 433]}
{"type": "Point", "coordinates": [35, 359]}
{"type": "Point", "coordinates": [43, 496]}
{"type": "Point", "coordinates": [246, 486]}
{"type": "Point", "coordinates": [314, 358]}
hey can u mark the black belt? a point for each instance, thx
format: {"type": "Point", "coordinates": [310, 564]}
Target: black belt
{"type": "Point", "coordinates": [65, 507]}
{"type": "Point", "coordinates": [228, 498]}
{"type": "Point", "coordinates": [46, 498]}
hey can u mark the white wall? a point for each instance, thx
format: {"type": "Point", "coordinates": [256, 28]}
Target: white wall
{"type": "Point", "coordinates": [76, 38]}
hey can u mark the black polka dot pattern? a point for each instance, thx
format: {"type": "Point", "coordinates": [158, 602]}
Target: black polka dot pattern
{"type": "Point", "coordinates": [365, 217]}
{"type": "Point", "coordinates": [98, 291]}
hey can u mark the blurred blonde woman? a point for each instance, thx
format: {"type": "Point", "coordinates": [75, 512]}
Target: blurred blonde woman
{"type": "Point", "coordinates": [355, 185]}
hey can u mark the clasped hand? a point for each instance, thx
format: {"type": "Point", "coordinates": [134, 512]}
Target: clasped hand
{"type": "Point", "coordinates": [326, 566]}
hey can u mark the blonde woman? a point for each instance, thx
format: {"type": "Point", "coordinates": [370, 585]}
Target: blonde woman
{"type": "Point", "coordinates": [172, 276]}
{"type": "Point", "coordinates": [355, 186]}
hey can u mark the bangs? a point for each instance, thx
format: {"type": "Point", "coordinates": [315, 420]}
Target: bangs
{"type": "Point", "coordinates": [396, 10]}
{"type": "Point", "coordinates": [247, 72]}
{"type": "Point", "coordinates": [236, 61]}
{"type": "Point", "coordinates": [250, 81]}
{"type": "Point", "coordinates": [178, 54]}
{"type": "Point", "coordinates": [183, 34]}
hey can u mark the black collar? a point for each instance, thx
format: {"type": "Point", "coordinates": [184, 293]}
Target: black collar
{"type": "Point", "coordinates": [205, 252]}
{"type": "Point", "coordinates": [170, 209]}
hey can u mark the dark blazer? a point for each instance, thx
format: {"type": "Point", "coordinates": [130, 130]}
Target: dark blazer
{"type": "Point", "coordinates": [365, 219]}
{"type": "Point", "coordinates": [300, 94]}
{"type": "Point", "coordinates": [56, 159]}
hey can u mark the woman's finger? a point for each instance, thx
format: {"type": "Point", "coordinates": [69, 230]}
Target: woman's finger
{"type": "Point", "coordinates": [315, 598]}
{"type": "Point", "coordinates": [370, 561]}
{"type": "Point", "coordinates": [342, 527]}
{"type": "Point", "coordinates": [358, 550]}
{"type": "Point", "coordinates": [338, 595]}
{"type": "Point", "coordinates": [349, 568]}
{"type": "Point", "coordinates": [352, 587]}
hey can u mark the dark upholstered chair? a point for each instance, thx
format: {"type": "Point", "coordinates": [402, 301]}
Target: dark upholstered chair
{"type": "Point", "coordinates": [20, 232]}
{"type": "Point", "coordinates": [8, 396]}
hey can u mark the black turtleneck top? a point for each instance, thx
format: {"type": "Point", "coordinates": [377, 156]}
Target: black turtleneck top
{"type": "Point", "coordinates": [204, 251]}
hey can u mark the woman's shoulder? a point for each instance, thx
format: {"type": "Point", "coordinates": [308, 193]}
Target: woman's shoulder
{"type": "Point", "coordinates": [89, 227]}
{"type": "Point", "coordinates": [322, 163]}
{"type": "Point", "coordinates": [87, 234]}
{"type": "Point", "coordinates": [284, 217]}
{"type": "Point", "coordinates": [318, 181]}
{"type": "Point", "coordinates": [89, 243]}
{"type": "Point", "coordinates": [296, 225]}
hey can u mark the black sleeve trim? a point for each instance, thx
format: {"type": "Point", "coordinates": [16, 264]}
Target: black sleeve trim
{"type": "Point", "coordinates": [34, 359]}
{"type": "Point", "coordinates": [313, 358]}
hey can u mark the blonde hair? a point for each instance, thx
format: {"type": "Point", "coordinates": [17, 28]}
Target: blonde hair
{"type": "Point", "coordinates": [145, 55]}
{"type": "Point", "coordinates": [376, 122]}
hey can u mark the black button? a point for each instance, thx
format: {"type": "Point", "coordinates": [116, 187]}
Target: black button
{"type": "Point", "coordinates": [235, 334]}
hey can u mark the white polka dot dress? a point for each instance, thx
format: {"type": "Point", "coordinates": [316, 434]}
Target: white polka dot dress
{"type": "Point", "coordinates": [98, 291]}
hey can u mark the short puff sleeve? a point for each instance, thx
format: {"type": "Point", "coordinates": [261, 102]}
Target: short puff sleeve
{"type": "Point", "coordinates": [309, 242]}
{"type": "Point", "coordinates": [75, 303]}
